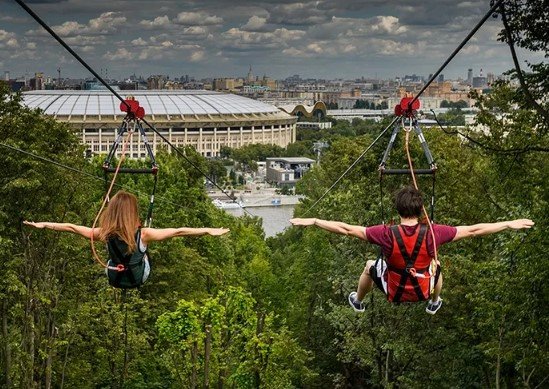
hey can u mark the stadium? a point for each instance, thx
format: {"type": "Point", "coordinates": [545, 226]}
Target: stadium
{"type": "Point", "coordinates": [205, 120]}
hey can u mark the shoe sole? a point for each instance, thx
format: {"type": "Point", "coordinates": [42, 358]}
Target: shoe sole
{"type": "Point", "coordinates": [353, 306]}
{"type": "Point", "coordinates": [435, 311]}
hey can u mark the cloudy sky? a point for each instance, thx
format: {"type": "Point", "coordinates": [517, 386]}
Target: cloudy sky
{"type": "Point", "coordinates": [215, 38]}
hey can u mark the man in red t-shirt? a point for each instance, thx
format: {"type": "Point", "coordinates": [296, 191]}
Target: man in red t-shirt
{"type": "Point", "coordinates": [403, 243]}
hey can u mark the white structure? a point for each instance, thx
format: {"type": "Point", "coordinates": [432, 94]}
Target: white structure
{"type": "Point", "coordinates": [287, 170]}
{"type": "Point", "coordinates": [314, 125]}
{"type": "Point", "coordinates": [205, 120]}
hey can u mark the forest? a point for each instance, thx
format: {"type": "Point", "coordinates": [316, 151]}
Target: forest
{"type": "Point", "coordinates": [242, 311]}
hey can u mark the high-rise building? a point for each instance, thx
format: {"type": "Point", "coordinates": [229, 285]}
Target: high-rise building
{"type": "Point", "coordinates": [250, 78]}
{"type": "Point", "coordinates": [470, 77]}
{"type": "Point", "coordinates": [441, 78]}
{"type": "Point", "coordinates": [479, 82]}
{"type": "Point", "coordinates": [37, 83]}
{"type": "Point", "coordinates": [6, 75]}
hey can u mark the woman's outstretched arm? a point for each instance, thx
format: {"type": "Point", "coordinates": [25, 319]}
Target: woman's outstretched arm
{"type": "Point", "coordinates": [86, 232]}
{"type": "Point", "coordinates": [155, 234]}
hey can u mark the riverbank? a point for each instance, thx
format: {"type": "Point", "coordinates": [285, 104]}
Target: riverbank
{"type": "Point", "coordinates": [266, 197]}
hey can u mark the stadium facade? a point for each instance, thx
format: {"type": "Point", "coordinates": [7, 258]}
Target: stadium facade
{"type": "Point", "coordinates": [204, 120]}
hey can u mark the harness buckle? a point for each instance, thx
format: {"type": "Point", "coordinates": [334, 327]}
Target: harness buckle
{"type": "Point", "coordinates": [120, 267]}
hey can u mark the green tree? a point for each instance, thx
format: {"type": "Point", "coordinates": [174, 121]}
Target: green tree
{"type": "Point", "coordinates": [226, 342]}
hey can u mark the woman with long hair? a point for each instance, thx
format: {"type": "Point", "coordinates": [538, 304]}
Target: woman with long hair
{"type": "Point", "coordinates": [120, 228]}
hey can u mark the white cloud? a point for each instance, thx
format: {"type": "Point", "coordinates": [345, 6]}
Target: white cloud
{"type": "Point", "coordinates": [255, 23]}
{"type": "Point", "coordinates": [388, 24]}
{"type": "Point", "coordinates": [107, 23]}
{"type": "Point", "coordinates": [8, 39]}
{"type": "Point", "coordinates": [197, 56]}
{"type": "Point", "coordinates": [280, 37]}
{"type": "Point", "coordinates": [68, 28]}
{"type": "Point", "coordinates": [12, 43]}
{"type": "Point", "coordinates": [298, 13]}
{"type": "Point", "coordinates": [471, 49]}
{"type": "Point", "coordinates": [195, 30]}
{"type": "Point", "coordinates": [119, 54]}
{"type": "Point", "coordinates": [197, 19]}
{"type": "Point", "coordinates": [158, 22]}
{"type": "Point", "coordinates": [470, 4]}
{"type": "Point", "coordinates": [139, 42]}
{"type": "Point", "coordinates": [83, 40]}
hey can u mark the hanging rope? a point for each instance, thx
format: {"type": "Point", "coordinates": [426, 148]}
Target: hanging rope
{"type": "Point", "coordinates": [106, 200]}
{"type": "Point", "coordinates": [124, 372]}
{"type": "Point", "coordinates": [434, 261]}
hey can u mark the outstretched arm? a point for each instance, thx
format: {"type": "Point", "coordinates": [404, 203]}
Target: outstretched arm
{"type": "Point", "coordinates": [86, 232]}
{"type": "Point", "coordinates": [153, 234]}
{"type": "Point", "coordinates": [491, 228]}
{"type": "Point", "coordinates": [332, 226]}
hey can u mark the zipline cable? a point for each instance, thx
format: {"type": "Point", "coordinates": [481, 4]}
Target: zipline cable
{"type": "Point", "coordinates": [102, 81]}
{"type": "Point", "coordinates": [514, 152]}
{"type": "Point", "coordinates": [456, 51]}
{"type": "Point", "coordinates": [352, 165]}
{"type": "Point", "coordinates": [429, 82]}
{"type": "Point", "coordinates": [98, 178]}
{"type": "Point", "coordinates": [71, 51]}
{"type": "Point", "coordinates": [180, 153]}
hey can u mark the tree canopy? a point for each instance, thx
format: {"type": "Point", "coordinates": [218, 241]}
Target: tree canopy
{"type": "Point", "coordinates": [241, 311]}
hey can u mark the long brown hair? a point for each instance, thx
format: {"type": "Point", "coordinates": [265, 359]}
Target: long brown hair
{"type": "Point", "coordinates": [120, 219]}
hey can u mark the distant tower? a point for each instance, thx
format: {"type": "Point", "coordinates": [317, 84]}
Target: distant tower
{"type": "Point", "coordinates": [58, 77]}
{"type": "Point", "coordinates": [317, 147]}
{"type": "Point", "coordinates": [7, 75]}
{"type": "Point", "coordinates": [470, 76]}
{"type": "Point", "coordinates": [250, 77]}
{"type": "Point", "coordinates": [480, 72]}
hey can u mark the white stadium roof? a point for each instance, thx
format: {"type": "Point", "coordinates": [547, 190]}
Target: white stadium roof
{"type": "Point", "coordinates": [155, 102]}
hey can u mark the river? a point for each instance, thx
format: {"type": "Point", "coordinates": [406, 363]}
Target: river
{"type": "Point", "coordinates": [274, 219]}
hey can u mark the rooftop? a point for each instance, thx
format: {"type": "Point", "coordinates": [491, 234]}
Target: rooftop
{"type": "Point", "coordinates": [157, 102]}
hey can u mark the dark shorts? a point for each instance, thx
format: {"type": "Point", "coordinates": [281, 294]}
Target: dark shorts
{"type": "Point", "coordinates": [377, 272]}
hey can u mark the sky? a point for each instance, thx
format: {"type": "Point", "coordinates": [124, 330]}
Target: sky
{"type": "Point", "coordinates": [329, 39]}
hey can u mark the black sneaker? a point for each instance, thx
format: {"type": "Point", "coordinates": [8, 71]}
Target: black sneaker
{"type": "Point", "coordinates": [432, 307]}
{"type": "Point", "coordinates": [358, 306]}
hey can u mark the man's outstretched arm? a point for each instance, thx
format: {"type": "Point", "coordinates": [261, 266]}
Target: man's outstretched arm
{"type": "Point", "coordinates": [491, 228]}
{"type": "Point", "coordinates": [332, 226]}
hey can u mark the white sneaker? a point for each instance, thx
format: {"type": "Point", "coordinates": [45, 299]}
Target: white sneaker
{"type": "Point", "coordinates": [433, 307]}
{"type": "Point", "coordinates": [358, 306]}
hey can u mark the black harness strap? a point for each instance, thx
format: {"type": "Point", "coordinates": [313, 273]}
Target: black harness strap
{"type": "Point", "coordinates": [125, 260]}
{"type": "Point", "coordinates": [410, 261]}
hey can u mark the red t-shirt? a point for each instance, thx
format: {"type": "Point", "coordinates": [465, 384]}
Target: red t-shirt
{"type": "Point", "coordinates": [382, 236]}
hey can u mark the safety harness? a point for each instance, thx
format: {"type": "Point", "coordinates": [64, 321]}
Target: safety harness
{"type": "Point", "coordinates": [408, 275]}
{"type": "Point", "coordinates": [129, 267]}
{"type": "Point", "coordinates": [124, 270]}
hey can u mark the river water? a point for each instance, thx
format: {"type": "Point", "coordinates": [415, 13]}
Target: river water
{"type": "Point", "coordinates": [274, 219]}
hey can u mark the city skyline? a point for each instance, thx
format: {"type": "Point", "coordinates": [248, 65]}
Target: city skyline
{"type": "Point", "coordinates": [320, 39]}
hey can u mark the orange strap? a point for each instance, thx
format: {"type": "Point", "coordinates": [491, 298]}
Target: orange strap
{"type": "Point", "coordinates": [411, 166]}
{"type": "Point", "coordinates": [106, 200]}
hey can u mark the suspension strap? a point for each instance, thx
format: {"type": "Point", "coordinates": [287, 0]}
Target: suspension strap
{"type": "Point", "coordinates": [106, 199]}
